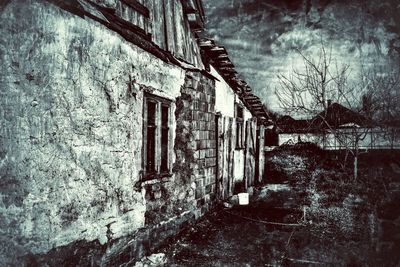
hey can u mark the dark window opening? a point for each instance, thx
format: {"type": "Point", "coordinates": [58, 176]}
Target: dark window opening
{"type": "Point", "coordinates": [164, 138]}
{"type": "Point", "coordinates": [239, 112]}
{"type": "Point", "coordinates": [151, 136]}
{"type": "Point", "coordinates": [271, 138]}
{"type": "Point", "coordinates": [156, 137]}
{"type": "Point", "coordinates": [239, 127]}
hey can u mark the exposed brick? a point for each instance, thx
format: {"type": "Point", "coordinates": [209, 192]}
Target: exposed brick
{"type": "Point", "coordinates": [213, 170]}
{"type": "Point", "coordinates": [194, 166]}
{"type": "Point", "coordinates": [200, 87]}
{"type": "Point", "coordinates": [198, 144]}
{"type": "Point", "coordinates": [196, 135]}
{"type": "Point", "coordinates": [199, 193]}
{"type": "Point", "coordinates": [201, 163]}
{"type": "Point", "coordinates": [202, 154]}
{"type": "Point", "coordinates": [200, 182]}
{"type": "Point", "coordinates": [202, 97]}
{"type": "Point", "coordinates": [207, 198]}
{"type": "Point", "coordinates": [212, 144]}
{"type": "Point", "coordinates": [202, 125]}
{"type": "Point", "coordinates": [195, 115]}
{"type": "Point", "coordinates": [200, 116]}
{"type": "Point", "coordinates": [195, 105]}
{"type": "Point", "coordinates": [201, 171]}
{"type": "Point", "coordinates": [195, 125]}
{"type": "Point", "coordinates": [200, 202]}
{"type": "Point", "coordinates": [208, 189]}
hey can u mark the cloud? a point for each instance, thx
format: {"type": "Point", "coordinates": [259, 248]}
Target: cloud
{"type": "Point", "coordinates": [261, 37]}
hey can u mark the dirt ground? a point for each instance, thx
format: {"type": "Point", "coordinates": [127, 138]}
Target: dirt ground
{"type": "Point", "coordinates": [242, 236]}
{"type": "Point", "coordinates": [315, 222]}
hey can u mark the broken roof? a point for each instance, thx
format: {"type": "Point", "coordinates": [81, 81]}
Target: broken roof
{"type": "Point", "coordinates": [219, 59]}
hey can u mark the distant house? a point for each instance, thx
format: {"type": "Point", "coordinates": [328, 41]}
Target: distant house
{"type": "Point", "coordinates": [336, 128]}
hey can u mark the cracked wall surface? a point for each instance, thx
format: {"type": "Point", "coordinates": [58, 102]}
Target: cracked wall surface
{"type": "Point", "coordinates": [70, 136]}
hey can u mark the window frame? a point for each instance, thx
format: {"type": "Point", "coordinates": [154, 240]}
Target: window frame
{"type": "Point", "coordinates": [161, 168]}
{"type": "Point", "coordinates": [239, 117]}
{"type": "Point", "coordinates": [271, 137]}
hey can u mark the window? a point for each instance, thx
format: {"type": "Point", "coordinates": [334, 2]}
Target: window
{"type": "Point", "coordinates": [164, 137]}
{"type": "Point", "coordinates": [239, 127]}
{"type": "Point", "coordinates": [156, 135]}
{"type": "Point", "coordinates": [271, 137]}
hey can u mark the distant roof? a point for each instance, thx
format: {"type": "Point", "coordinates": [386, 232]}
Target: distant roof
{"type": "Point", "coordinates": [335, 116]}
{"type": "Point", "coordinates": [338, 116]}
{"type": "Point", "coordinates": [287, 124]}
{"type": "Point", "coordinates": [218, 58]}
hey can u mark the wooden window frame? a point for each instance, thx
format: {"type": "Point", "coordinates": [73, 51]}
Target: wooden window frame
{"type": "Point", "coordinates": [162, 166]}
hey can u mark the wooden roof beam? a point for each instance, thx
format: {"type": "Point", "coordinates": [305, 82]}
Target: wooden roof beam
{"type": "Point", "coordinates": [224, 63]}
{"type": "Point", "coordinates": [251, 98]}
{"type": "Point", "coordinates": [258, 107]}
{"type": "Point", "coordinates": [206, 43]}
{"type": "Point", "coordinates": [247, 89]}
{"type": "Point", "coordinates": [227, 69]}
{"type": "Point", "coordinates": [223, 56]}
{"type": "Point", "coordinates": [217, 50]}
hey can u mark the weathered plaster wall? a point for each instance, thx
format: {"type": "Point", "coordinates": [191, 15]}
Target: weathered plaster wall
{"type": "Point", "coordinates": [232, 164]}
{"type": "Point", "coordinates": [240, 154]}
{"type": "Point", "coordinates": [224, 96]}
{"type": "Point", "coordinates": [71, 128]}
{"type": "Point", "coordinates": [261, 154]}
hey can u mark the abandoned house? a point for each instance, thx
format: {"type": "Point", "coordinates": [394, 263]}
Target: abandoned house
{"type": "Point", "coordinates": [335, 128]}
{"type": "Point", "coordinates": [119, 125]}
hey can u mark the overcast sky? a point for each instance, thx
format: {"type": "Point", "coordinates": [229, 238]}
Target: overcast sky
{"type": "Point", "coordinates": [261, 36]}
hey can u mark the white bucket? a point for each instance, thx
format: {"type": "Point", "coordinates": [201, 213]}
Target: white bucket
{"type": "Point", "coordinates": [243, 198]}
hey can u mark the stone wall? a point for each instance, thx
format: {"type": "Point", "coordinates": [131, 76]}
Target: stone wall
{"type": "Point", "coordinates": [71, 142]}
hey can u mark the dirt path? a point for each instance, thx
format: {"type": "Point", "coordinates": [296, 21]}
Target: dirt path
{"type": "Point", "coordinates": [240, 236]}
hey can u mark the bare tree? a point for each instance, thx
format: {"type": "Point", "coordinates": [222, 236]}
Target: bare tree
{"type": "Point", "coordinates": [381, 99]}
{"type": "Point", "coordinates": [309, 93]}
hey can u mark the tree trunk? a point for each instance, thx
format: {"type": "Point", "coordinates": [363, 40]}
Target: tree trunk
{"type": "Point", "coordinates": [355, 167]}
{"type": "Point", "coordinates": [356, 153]}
